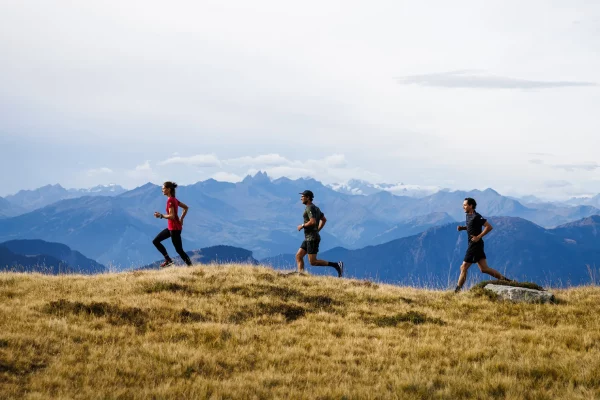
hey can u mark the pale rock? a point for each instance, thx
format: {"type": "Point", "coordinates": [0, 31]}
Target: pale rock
{"type": "Point", "coordinates": [519, 294]}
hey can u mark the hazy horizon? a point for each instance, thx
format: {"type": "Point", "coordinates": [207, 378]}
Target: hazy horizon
{"type": "Point", "coordinates": [395, 188]}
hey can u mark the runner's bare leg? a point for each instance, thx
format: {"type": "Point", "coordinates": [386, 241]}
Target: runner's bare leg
{"type": "Point", "coordinates": [483, 266]}
{"type": "Point", "coordinates": [300, 259]}
{"type": "Point", "coordinates": [464, 268]}
{"type": "Point", "coordinates": [312, 258]}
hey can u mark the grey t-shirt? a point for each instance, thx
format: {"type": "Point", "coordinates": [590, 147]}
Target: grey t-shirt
{"type": "Point", "coordinates": [312, 232]}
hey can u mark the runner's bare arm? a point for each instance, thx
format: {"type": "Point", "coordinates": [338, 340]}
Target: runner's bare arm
{"type": "Point", "coordinates": [461, 228]}
{"type": "Point", "coordinates": [185, 210]}
{"type": "Point", "coordinates": [171, 214]}
{"type": "Point", "coordinates": [322, 222]}
{"type": "Point", "coordinates": [310, 223]}
{"type": "Point", "coordinates": [487, 229]}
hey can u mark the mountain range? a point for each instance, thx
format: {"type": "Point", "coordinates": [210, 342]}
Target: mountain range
{"type": "Point", "coordinates": [258, 214]}
{"type": "Point", "coordinates": [29, 200]}
{"type": "Point", "coordinates": [45, 257]}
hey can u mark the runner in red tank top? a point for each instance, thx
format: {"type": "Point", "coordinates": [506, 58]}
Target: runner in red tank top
{"type": "Point", "coordinates": [174, 225]}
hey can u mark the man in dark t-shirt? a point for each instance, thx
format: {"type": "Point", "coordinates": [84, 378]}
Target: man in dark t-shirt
{"type": "Point", "coordinates": [477, 227]}
{"type": "Point", "coordinates": [314, 221]}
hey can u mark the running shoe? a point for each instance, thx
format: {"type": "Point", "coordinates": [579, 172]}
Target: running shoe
{"type": "Point", "coordinates": [166, 263]}
{"type": "Point", "coordinates": [340, 269]}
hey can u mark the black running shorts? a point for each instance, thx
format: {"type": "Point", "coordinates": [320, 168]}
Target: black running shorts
{"type": "Point", "coordinates": [475, 252]}
{"type": "Point", "coordinates": [311, 246]}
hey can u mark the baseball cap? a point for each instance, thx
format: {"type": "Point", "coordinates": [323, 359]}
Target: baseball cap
{"type": "Point", "coordinates": [308, 193]}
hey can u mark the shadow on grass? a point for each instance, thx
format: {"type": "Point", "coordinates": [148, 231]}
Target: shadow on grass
{"type": "Point", "coordinates": [115, 315]}
{"type": "Point", "coordinates": [320, 302]}
{"type": "Point", "coordinates": [367, 284]}
{"type": "Point", "coordinates": [186, 316]}
{"type": "Point", "coordinates": [413, 317]}
{"type": "Point", "coordinates": [21, 368]}
{"type": "Point", "coordinates": [289, 311]}
{"type": "Point", "coordinates": [160, 286]}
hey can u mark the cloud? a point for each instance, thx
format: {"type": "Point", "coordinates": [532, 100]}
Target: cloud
{"type": "Point", "coordinates": [557, 184]}
{"type": "Point", "coordinates": [200, 160]}
{"type": "Point", "coordinates": [330, 168]}
{"type": "Point", "coordinates": [336, 161]}
{"type": "Point", "coordinates": [226, 177]}
{"type": "Point", "coordinates": [288, 172]}
{"type": "Point", "coordinates": [412, 190]}
{"type": "Point", "coordinates": [474, 80]}
{"type": "Point", "coordinates": [142, 171]}
{"type": "Point", "coordinates": [265, 160]}
{"type": "Point", "coordinates": [99, 171]}
{"type": "Point", "coordinates": [542, 154]}
{"type": "Point", "coordinates": [586, 166]}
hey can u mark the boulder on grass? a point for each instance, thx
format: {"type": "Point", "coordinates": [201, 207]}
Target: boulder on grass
{"type": "Point", "coordinates": [519, 294]}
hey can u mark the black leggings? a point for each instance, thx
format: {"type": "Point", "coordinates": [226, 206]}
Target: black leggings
{"type": "Point", "coordinates": [176, 239]}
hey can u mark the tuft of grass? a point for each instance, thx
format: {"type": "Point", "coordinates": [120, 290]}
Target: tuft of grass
{"type": "Point", "coordinates": [186, 316]}
{"type": "Point", "coordinates": [362, 283]}
{"type": "Point", "coordinates": [289, 311]}
{"type": "Point", "coordinates": [161, 286]}
{"type": "Point", "coordinates": [414, 317]}
{"type": "Point", "coordinates": [484, 293]}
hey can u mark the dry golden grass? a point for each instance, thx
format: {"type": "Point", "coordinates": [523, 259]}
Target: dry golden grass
{"type": "Point", "coordinates": [244, 332]}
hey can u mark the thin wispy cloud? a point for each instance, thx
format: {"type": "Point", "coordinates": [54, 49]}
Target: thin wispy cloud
{"type": "Point", "coordinates": [569, 167]}
{"type": "Point", "coordinates": [200, 160]}
{"type": "Point", "coordinates": [586, 166]}
{"type": "Point", "coordinates": [226, 177]}
{"type": "Point", "coordinates": [470, 79]}
{"type": "Point", "coordinates": [542, 154]}
{"type": "Point", "coordinates": [261, 160]}
{"type": "Point", "coordinates": [557, 184]}
{"type": "Point", "coordinates": [99, 171]}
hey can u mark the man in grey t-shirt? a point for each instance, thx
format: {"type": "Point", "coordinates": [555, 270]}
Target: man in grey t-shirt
{"type": "Point", "coordinates": [314, 221]}
{"type": "Point", "coordinates": [477, 227]}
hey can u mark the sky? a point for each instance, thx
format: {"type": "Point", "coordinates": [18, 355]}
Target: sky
{"type": "Point", "coordinates": [462, 95]}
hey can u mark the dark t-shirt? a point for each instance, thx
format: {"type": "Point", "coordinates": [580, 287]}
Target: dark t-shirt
{"type": "Point", "coordinates": [475, 224]}
{"type": "Point", "coordinates": [312, 232]}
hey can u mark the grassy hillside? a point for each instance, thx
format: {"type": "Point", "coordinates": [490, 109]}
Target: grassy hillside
{"type": "Point", "coordinates": [246, 332]}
